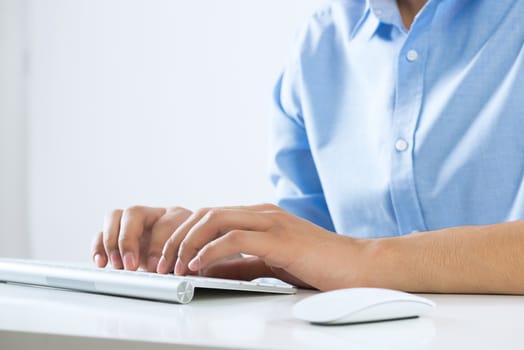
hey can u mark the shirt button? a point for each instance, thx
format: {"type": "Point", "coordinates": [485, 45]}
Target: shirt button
{"type": "Point", "coordinates": [401, 145]}
{"type": "Point", "coordinates": [378, 12]}
{"type": "Point", "coordinates": [412, 55]}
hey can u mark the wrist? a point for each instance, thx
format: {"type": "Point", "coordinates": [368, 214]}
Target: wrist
{"type": "Point", "coordinates": [368, 263]}
{"type": "Point", "coordinates": [351, 263]}
{"type": "Point", "coordinates": [388, 263]}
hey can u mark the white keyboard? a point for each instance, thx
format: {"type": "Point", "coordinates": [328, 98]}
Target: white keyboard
{"type": "Point", "coordinates": [145, 285]}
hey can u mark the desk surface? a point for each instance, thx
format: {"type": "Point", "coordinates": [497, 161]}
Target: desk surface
{"type": "Point", "coordinates": [247, 321]}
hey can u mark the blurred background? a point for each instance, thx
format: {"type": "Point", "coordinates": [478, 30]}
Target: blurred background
{"type": "Point", "coordinates": [110, 103]}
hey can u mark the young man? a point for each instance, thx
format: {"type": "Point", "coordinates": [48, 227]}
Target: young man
{"type": "Point", "coordinates": [399, 126]}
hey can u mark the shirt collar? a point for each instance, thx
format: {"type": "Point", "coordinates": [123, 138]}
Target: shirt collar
{"type": "Point", "coordinates": [379, 12]}
{"type": "Point", "coordinates": [386, 11]}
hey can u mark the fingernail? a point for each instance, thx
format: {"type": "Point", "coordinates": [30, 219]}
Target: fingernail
{"type": "Point", "coordinates": [194, 265]}
{"type": "Point", "coordinates": [116, 260]}
{"type": "Point", "coordinates": [152, 264]}
{"type": "Point", "coordinates": [162, 265]}
{"type": "Point", "coordinates": [129, 261]}
{"type": "Point", "coordinates": [98, 260]}
{"type": "Point", "coordinates": [179, 270]}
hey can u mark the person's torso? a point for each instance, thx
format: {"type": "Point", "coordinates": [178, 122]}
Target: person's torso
{"type": "Point", "coordinates": [421, 130]}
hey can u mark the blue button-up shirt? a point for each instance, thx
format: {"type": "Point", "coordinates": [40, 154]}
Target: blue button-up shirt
{"type": "Point", "coordinates": [383, 131]}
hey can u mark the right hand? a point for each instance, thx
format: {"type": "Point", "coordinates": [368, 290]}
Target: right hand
{"type": "Point", "coordinates": [134, 238]}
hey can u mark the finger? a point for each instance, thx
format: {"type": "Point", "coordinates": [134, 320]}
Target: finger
{"type": "Point", "coordinates": [214, 224]}
{"type": "Point", "coordinates": [135, 221]}
{"type": "Point", "coordinates": [172, 245]}
{"type": "Point", "coordinates": [98, 253]}
{"type": "Point", "coordinates": [110, 237]}
{"type": "Point", "coordinates": [161, 231]}
{"type": "Point", "coordinates": [254, 243]}
{"type": "Point", "coordinates": [257, 207]}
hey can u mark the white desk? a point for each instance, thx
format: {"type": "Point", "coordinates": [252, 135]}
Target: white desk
{"type": "Point", "coordinates": [243, 321]}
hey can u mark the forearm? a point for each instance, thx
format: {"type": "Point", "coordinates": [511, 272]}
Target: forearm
{"type": "Point", "coordinates": [469, 259]}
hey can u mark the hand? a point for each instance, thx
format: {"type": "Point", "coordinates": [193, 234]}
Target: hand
{"type": "Point", "coordinates": [134, 237]}
{"type": "Point", "coordinates": [293, 249]}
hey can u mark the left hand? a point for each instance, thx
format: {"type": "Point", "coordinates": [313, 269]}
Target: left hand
{"type": "Point", "coordinates": [294, 249]}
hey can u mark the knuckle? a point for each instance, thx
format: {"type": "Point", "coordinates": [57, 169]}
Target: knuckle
{"type": "Point", "coordinates": [114, 212]}
{"type": "Point", "coordinates": [208, 250]}
{"type": "Point", "coordinates": [133, 210]}
{"type": "Point", "coordinates": [235, 237]}
{"type": "Point", "coordinates": [202, 211]}
{"type": "Point", "coordinates": [179, 210]}
{"type": "Point", "coordinates": [212, 214]}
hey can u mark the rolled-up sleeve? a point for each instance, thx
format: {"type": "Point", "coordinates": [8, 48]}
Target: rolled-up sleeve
{"type": "Point", "coordinates": [293, 171]}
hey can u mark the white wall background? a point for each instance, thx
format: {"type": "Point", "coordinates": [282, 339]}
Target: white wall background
{"type": "Point", "coordinates": [146, 102]}
{"type": "Point", "coordinates": [13, 129]}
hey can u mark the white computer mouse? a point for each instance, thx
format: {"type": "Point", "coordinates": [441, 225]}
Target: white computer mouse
{"type": "Point", "coordinates": [355, 305]}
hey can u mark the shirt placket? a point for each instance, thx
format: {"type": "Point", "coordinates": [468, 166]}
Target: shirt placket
{"type": "Point", "coordinates": [408, 101]}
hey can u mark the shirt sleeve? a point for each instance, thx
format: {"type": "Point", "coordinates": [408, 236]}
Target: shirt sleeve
{"type": "Point", "coordinates": [293, 171]}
